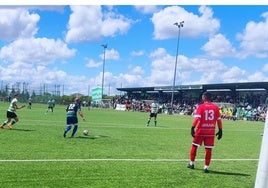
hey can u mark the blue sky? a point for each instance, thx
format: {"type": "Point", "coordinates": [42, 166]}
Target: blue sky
{"type": "Point", "coordinates": [62, 45]}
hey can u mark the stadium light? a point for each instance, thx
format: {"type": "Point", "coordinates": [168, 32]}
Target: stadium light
{"type": "Point", "coordinates": [179, 25]}
{"type": "Point", "coordinates": [103, 67]}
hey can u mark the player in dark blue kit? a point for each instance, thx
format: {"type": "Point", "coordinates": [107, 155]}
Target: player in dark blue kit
{"type": "Point", "coordinates": [71, 119]}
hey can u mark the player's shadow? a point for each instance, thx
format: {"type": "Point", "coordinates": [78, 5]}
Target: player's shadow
{"type": "Point", "coordinates": [92, 137]}
{"type": "Point", "coordinates": [227, 173]}
{"type": "Point", "coordinates": [15, 129]}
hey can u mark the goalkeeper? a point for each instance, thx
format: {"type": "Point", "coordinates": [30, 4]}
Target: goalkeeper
{"type": "Point", "coordinates": [203, 129]}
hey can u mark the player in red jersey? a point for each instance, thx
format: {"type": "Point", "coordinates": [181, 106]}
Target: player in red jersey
{"type": "Point", "coordinates": [203, 129]}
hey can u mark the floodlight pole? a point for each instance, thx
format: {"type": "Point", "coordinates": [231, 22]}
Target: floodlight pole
{"type": "Point", "coordinates": [103, 67]}
{"type": "Point", "coordinates": [179, 25]}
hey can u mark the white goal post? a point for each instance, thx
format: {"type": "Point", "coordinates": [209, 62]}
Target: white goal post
{"type": "Point", "coordinates": [262, 172]}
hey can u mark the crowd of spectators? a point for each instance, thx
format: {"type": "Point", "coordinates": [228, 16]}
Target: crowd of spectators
{"type": "Point", "coordinates": [248, 106]}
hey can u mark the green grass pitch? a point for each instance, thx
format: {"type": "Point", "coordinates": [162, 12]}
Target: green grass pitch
{"type": "Point", "coordinates": [120, 151]}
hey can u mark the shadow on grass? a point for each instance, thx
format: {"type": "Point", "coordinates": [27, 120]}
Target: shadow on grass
{"type": "Point", "coordinates": [91, 137]}
{"type": "Point", "coordinates": [228, 173]}
{"type": "Point", "coordinates": [157, 126]}
{"type": "Point", "coordinates": [15, 129]}
{"type": "Point", "coordinates": [225, 173]}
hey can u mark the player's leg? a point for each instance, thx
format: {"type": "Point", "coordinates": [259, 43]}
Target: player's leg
{"type": "Point", "coordinates": [197, 140]}
{"type": "Point", "coordinates": [74, 129]}
{"type": "Point", "coordinates": [155, 121]}
{"type": "Point", "coordinates": [192, 156]}
{"type": "Point", "coordinates": [14, 120]}
{"type": "Point", "coordinates": [149, 119]}
{"type": "Point", "coordinates": [75, 123]}
{"type": "Point", "coordinates": [67, 129]}
{"type": "Point", "coordinates": [209, 144]}
{"type": "Point", "coordinates": [68, 126]}
{"type": "Point", "coordinates": [208, 155]}
{"type": "Point", "coordinates": [6, 121]}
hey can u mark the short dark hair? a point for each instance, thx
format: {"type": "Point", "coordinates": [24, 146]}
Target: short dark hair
{"type": "Point", "coordinates": [207, 95]}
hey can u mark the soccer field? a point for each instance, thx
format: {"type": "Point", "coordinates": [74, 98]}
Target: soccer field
{"type": "Point", "coordinates": [120, 151]}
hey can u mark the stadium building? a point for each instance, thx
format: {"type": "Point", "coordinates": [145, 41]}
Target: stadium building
{"type": "Point", "coordinates": [250, 92]}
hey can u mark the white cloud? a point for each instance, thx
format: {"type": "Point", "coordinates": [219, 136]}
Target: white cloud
{"type": "Point", "coordinates": [27, 60]}
{"type": "Point", "coordinates": [35, 75]}
{"type": "Point", "coordinates": [91, 63]}
{"type": "Point", "coordinates": [130, 80]}
{"type": "Point", "coordinates": [88, 23]}
{"type": "Point", "coordinates": [146, 9]}
{"type": "Point", "coordinates": [17, 23]}
{"type": "Point", "coordinates": [162, 68]}
{"type": "Point", "coordinates": [265, 68]}
{"type": "Point", "coordinates": [194, 25]}
{"type": "Point", "coordinates": [36, 51]}
{"type": "Point", "coordinates": [115, 24]}
{"type": "Point", "coordinates": [137, 70]}
{"type": "Point", "coordinates": [189, 70]}
{"type": "Point", "coordinates": [233, 74]}
{"type": "Point", "coordinates": [218, 46]}
{"type": "Point", "coordinates": [254, 39]}
{"type": "Point", "coordinates": [110, 54]}
{"type": "Point", "coordinates": [84, 24]}
{"type": "Point", "coordinates": [257, 76]}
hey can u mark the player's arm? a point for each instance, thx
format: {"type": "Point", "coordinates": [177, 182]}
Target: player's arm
{"type": "Point", "coordinates": [17, 107]}
{"type": "Point", "coordinates": [81, 114]}
{"type": "Point", "coordinates": [22, 106]}
{"type": "Point", "coordinates": [219, 124]}
{"type": "Point", "coordinates": [194, 124]}
{"type": "Point", "coordinates": [67, 108]}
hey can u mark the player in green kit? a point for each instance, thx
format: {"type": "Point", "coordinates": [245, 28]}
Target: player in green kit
{"type": "Point", "coordinates": [12, 117]}
{"type": "Point", "coordinates": [153, 113]}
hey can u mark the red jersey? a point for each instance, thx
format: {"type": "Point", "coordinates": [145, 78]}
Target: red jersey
{"type": "Point", "coordinates": [205, 119]}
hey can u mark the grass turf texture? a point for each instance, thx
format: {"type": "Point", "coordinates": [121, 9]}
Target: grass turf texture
{"type": "Point", "coordinates": [121, 151]}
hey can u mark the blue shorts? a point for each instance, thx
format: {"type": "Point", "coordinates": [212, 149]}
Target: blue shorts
{"type": "Point", "coordinates": [72, 120]}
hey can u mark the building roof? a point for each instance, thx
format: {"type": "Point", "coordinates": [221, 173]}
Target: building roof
{"type": "Point", "coordinates": [222, 86]}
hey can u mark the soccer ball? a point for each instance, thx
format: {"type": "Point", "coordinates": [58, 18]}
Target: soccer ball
{"type": "Point", "coordinates": [85, 132]}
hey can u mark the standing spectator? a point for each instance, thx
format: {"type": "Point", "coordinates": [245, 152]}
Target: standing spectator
{"type": "Point", "coordinates": [234, 113]}
{"type": "Point", "coordinates": [153, 113]}
{"type": "Point", "coordinates": [71, 119]}
{"type": "Point", "coordinates": [128, 105]}
{"type": "Point", "coordinates": [203, 129]}
{"type": "Point", "coordinates": [12, 117]}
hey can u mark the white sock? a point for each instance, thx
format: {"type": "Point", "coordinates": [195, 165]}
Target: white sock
{"type": "Point", "coordinates": [206, 167]}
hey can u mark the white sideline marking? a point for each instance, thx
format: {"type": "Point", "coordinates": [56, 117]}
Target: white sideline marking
{"type": "Point", "coordinates": [128, 160]}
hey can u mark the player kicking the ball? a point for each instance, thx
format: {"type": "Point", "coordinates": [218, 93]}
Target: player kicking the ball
{"type": "Point", "coordinates": [71, 119]}
{"type": "Point", "coordinates": [203, 129]}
